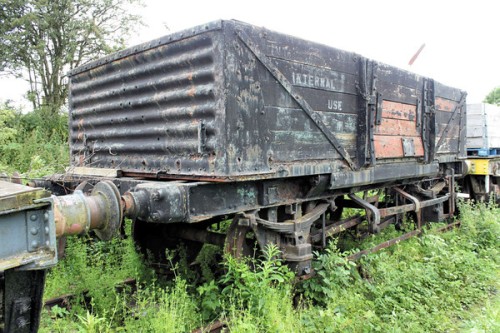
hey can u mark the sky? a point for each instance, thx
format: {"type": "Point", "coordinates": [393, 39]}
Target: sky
{"type": "Point", "coordinates": [462, 38]}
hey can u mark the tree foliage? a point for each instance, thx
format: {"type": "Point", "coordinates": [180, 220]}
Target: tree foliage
{"type": "Point", "coordinates": [493, 97]}
{"type": "Point", "coordinates": [40, 40]}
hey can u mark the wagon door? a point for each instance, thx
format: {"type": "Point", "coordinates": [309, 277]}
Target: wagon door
{"type": "Point", "coordinates": [395, 120]}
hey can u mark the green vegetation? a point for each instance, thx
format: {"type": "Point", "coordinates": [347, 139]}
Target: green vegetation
{"type": "Point", "coordinates": [35, 143]}
{"type": "Point", "coordinates": [425, 284]}
{"type": "Point", "coordinates": [493, 96]}
{"type": "Point", "coordinates": [439, 282]}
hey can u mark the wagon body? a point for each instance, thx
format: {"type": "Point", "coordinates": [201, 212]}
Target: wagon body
{"type": "Point", "coordinates": [229, 101]}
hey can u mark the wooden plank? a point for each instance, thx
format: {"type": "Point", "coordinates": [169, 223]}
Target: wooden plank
{"type": "Point", "coordinates": [293, 146]}
{"type": "Point", "coordinates": [452, 131]}
{"type": "Point", "coordinates": [8, 189]}
{"type": "Point", "coordinates": [399, 76]}
{"type": "Point", "coordinates": [443, 104]}
{"type": "Point", "coordinates": [396, 110]}
{"type": "Point", "coordinates": [392, 146]}
{"type": "Point", "coordinates": [443, 117]}
{"type": "Point", "coordinates": [476, 142]}
{"type": "Point", "coordinates": [449, 145]}
{"type": "Point", "coordinates": [283, 46]}
{"type": "Point", "coordinates": [296, 120]}
{"type": "Point", "coordinates": [450, 93]}
{"type": "Point", "coordinates": [398, 93]}
{"type": "Point", "coordinates": [99, 172]}
{"type": "Point", "coordinates": [328, 101]}
{"type": "Point", "coordinates": [307, 76]}
{"type": "Point", "coordinates": [476, 120]}
{"type": "Point", "coordinates": [397, 127]}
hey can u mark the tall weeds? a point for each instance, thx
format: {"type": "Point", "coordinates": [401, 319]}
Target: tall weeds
{"type": "Point", "coordinates": [439, 282]}
{"type": "Point", "coordinates": [35, 144]}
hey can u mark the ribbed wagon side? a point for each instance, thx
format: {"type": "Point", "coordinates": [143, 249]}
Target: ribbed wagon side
{"type": "Point", "coordinates": [155, 108]}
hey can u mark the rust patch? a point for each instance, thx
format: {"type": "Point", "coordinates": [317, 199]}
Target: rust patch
{"type": "Point", "coordinates": [75, 229]}
{"type": "Point", "coordinates": [391, 146]}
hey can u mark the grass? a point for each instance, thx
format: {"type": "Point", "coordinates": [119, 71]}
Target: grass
{"type": "Point", "coordinates": [439, 282]}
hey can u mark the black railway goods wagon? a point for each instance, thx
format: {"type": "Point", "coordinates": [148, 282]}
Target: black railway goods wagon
{"type": "Point", "coordinates": [228, 121]}
{"type": "Point", "coordinates": [232, 121]}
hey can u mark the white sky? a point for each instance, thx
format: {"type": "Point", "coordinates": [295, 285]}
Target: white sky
{"type": "Point", "coordinates": [462, 37]}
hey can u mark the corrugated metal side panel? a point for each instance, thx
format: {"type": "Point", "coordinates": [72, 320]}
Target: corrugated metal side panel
{"type": "Point", "coordinates": [156, 110]}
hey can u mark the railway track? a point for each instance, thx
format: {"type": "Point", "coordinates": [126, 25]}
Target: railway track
{"type": "Point", "coordinates": [217, 326]}
{"type": "Point", "coordinates": [64, 301]}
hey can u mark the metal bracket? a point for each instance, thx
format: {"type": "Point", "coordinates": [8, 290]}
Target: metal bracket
{"type": "Point", "coordinates": [315, 117]}
{"type": "Point", "coordinates": [373, 107]}
{"type": "Point", "coordinates": [291, 226]}
{"type": "Point", "coordinates": [415, 201]}
{"type": "Point", "coordinates": [428, 136]}
{"type": "Point", "coordinates": [419, 113]}
{"type": "Point", "coordinates": [202, 137]}
{"type": "Point", "coordinates": [408, 147]}
{"type": "Point", "coordinates": [378, 118]}
{"type": "Point", "coordinates": [462, 130]}
{"type": "Point", "coordinates": [375, 220]}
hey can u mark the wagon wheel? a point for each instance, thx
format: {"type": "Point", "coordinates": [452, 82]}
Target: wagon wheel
{"type": "Point", "coordinates": [239, 240]}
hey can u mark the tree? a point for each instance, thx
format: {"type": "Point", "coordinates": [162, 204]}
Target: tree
{"type": "Point", "coordinates": [40, 40]}
{"type": "Point", "coordinates": [493, 97]}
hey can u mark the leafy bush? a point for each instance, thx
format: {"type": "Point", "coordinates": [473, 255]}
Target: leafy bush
{"type": "Point", "coordinates": [35, 144]}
